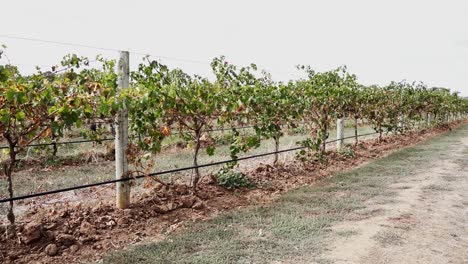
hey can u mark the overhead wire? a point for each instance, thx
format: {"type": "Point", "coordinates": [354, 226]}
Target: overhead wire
{"type": "Point", "coordinates": [141, 53]}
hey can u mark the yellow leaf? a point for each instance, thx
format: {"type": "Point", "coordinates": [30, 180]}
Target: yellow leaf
{"type": "Point", "coordinates": [166, 130]}
{"type": "Point", "coordinates": [22, 142]}
{"type": "Point", "coordinates": [47, 132]}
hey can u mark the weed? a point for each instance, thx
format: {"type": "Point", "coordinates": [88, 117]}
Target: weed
{"type": "Point", "coordinates": [347, 152]}
{"type": "Point", "coordinates": [230, 179]}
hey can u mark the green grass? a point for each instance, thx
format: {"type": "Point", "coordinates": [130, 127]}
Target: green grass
{"type": "Point", "coordinates": [293, 228]}
{"type": "Point", "coordinates": [436, 187]}
{"type": "Point", "coordinates": [347, 233]}
{"type": "Point", "coordinates": [388, 238]}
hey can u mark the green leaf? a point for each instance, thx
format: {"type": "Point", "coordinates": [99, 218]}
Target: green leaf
{"type": "Point", "coordinates": [10, 95]}
{"type": "Point", "coordinates": [5, 116]}
{"type": "Point", "coordinates": [210, 150]}
{"type": "Point", "coordinates": [20, 116]}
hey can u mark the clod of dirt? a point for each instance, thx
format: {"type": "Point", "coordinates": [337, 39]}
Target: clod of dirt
{"type": "Point", "coordinates": [51, 226]}
{"type": "Point", "coordinates": [11, 257]}
{"type": "Point", "coordinates": [64, 214]}
{"type": "Point", "coordinates": [181, 189]}
{"type": "Point", "coordinates": [49, 235]}
{"type": "Point", "coordinates": [87, 239]}
{"type": "Point", "coordinates": [111, 223]}
{"type": "Point", "coordinates": [51, 250]}
{"type": "Point", "coordinates": [188, 201]}
{"type": "Point", "coordinates": [124, 221]}
{"type": "Point", "coordinates": [198, 205]}
{"type": "Point", "coordinates": [87, 228]}
{"type": "Point", "coordinates": [74, 248]}
{"type": "Point", "coordinates": [65, 240]}
{"type": "Point", "coordinates": [128, 212]}
{"type": "Point", "coordinates": [96, 209]}
{"type": "Point", "coordinates": [104, 219]}
{"type": "Point", "coordinates": [31, 232]}
{"type": "Point", "coordinates": [165, 208]}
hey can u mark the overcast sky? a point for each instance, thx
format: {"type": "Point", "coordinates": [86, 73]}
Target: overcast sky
{"type": "Point", "coordinates": [380, 41]}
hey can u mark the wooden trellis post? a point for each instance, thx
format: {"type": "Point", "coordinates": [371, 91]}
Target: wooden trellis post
{"type": "Point", "coordinates": [400, 123]}
{"type": "Point", "coordinates": [339, 134]}
{"type": "Point", "coordinates": [121, 136]}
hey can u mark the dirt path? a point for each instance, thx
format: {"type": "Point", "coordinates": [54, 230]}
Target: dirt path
{"type": "Point", "coordinates": [426, 221]}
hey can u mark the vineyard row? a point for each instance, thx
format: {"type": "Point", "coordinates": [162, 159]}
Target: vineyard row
{"type": "Point", "coordinates": [152, 100]}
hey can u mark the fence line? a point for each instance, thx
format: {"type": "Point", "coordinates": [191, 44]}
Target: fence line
{"type": "Point", "coordinates": [62, 143]}
{"type": "Point", "coordinates": [23, 197]}
{"type": "Point", "coordinates": [108, 139]}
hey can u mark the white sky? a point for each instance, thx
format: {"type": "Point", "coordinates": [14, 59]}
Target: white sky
{"type": "Point", "coordinates": [379, 41]}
